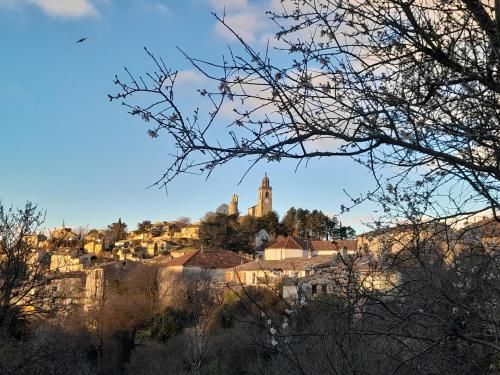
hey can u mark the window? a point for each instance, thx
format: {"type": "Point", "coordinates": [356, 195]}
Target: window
{"type": "Point", "coordinates": [314, 289]}
{"type": "Point", "coordinates": [323, 288]}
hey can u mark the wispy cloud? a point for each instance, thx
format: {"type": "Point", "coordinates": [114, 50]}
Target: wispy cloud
{"type": "Point", "coordinates": [229, 5]}
{"type": "Point", "coordinates": [247, 19]}
{"type": "Point", "coordinates": [153, 6]}
{"type": "Point", "coordinates": [188, 77]}
{"type": "Point", "coordinates": [55, 8]}
{"type": "Point", "coordinates": [162, 8]}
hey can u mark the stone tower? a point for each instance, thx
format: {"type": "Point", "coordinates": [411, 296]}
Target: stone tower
{"type": "Point", "coordinates": [265, 202]}
{"type": "Point", "coordinates": [233, 206]}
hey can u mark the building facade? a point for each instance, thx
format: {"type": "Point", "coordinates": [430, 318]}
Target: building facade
{"type": "Point", "coordinates": [265, 202]}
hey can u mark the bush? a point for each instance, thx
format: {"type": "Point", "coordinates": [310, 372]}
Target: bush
{"type": "Point", "coordinates": [169, 323]}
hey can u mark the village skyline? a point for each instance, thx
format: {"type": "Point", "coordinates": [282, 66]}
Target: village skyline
{"type": "Point", "coordinates": [345, 219]}
{"type": "Point", "coordinates": [64, 124]}
{"type": "Point", "coordinates": [208, 187]}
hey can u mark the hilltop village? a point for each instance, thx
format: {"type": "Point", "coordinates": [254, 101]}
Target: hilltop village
{"type": "Point", "coordinates": [298, 265]}
{"type": "Point", "coordinates": [182, 287]}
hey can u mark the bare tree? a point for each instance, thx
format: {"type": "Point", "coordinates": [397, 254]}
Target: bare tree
{"type": "Point", "coordinates": [128, 301]}
{"type": "Point", "coordinates": [409, 89]}
{"type": "Point", "coordinates": [24, 270]}
{"type": "Point", "coordinates": [184, 220]}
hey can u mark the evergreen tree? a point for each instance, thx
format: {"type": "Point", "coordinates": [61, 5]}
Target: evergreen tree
{"type": "Point", "coordinates": [118, 230]}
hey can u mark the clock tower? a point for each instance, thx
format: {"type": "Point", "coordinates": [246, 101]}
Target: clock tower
{"type": "Point", "coordinates": [265, 202]}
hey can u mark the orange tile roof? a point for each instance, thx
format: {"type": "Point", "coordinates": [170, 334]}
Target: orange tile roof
{"type": "Point", "coordinates": [290, 243]}
{"type": "Point", "coordinates": [287, 264]}
{"type": "Point", "coordinates": [322, 245]}
{"type": "Point", "coordinates": [348, 244]}
{"type": "Point", "coordinates": [209, 259]}
{"type": "Point", "coordinates": [314, 245]}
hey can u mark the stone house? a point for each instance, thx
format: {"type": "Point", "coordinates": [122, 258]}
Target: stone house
{"type": "Point", "coordinates": [272, 272]}
{"type": "Point", "coordinates": [295, 247]}
{"type": "Point", "coordinates": [332, 279]}
{"type": "Point", "coordinates": [396, 239]}
{"type": "Point", "coordinates": [37, 241]}
{"type": "Point", "coordinates": [191, 232]}
{"type": "Point", "coordinates": [70, 260]}
{"type": "Point", "coordinates": [99, 278]}
{"type": "Point", "coordinates": [209, 263]}
{"type": "Point", "coordinates": [95, 246]}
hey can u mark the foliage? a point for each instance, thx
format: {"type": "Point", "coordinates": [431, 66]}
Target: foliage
{"type": "Point", "coordinates": [314, 225]}
{"type": "Point", "coordinates": [118, 230]}
{"type": "Point", "coordinates": [222, 231]}
{"type": "Point", "coordinates": [48, 350]}
{"type": "Point", "coordinates": [169, 322]}
{"type": "Point", "coordinates": [144, 226]}
{"type": "Point", "coordinates": [24, 271]}
{"type": "Point", "coordinates": [230, 232]}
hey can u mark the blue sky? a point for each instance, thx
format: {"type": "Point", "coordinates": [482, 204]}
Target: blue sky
{"type": "Point", "coordinates": [84, 159]}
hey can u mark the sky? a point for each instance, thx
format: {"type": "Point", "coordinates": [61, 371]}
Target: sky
{"type": "Point", "coordinates": [84, 160]}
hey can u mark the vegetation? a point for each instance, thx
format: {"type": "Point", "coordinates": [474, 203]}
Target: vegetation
{"type": "Point", "coordinates": [144, 226]}
{"type": "Point", "coordinates": [23, 272]}
{"type": "Point", "coordinates": [168, 323]}
{"type": "Point", "coordinates": [222, 231]}
{"type": "Point", "coordinates": [411, 90]}
{"type": "Point", "coordinates": [314, 225]}
{"type": "Point", "coordinates": [118, 230]}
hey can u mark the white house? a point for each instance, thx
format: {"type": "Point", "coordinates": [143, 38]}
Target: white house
{"type": "Point", "coordinates": [272, 272]}
{"type": "Point", "coordinates": [295, 247]}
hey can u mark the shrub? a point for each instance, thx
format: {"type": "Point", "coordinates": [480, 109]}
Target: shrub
{"type": "Point", "coordinates": [169, 323]}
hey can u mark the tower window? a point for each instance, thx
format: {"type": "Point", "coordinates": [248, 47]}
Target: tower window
{"type": "Point", "coordinates": [267, 194]}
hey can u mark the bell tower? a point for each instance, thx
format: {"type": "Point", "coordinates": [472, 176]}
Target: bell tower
{"type": "Point", "coordinates": [233, 206]}
{"type": "Point", "coordinates": [265, 202]}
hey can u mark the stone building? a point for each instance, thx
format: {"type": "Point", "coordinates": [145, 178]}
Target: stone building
{"type": "Point", "coordinates": [264, 203]}
{"type": "Point", "coordinates": [191, 232]}
{"type": "Point", "coordinates": [207, 263]}
{"type": "Point", "coordinates": [336, 276]}
{"type": "Point", "coordinates": [70, 260]}
{"type": "Point", "coordinates": [295, 247]}
{"type": "Point", "coordinates": [233, 206]}
{"type": "Point", "coordinates": [100, 278]}
{"type": "Point", "coordinates": [272, 272]}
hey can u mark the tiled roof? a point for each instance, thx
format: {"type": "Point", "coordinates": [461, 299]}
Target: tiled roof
{"type": "Point", "coordinates": [315, 245]}
{"type": "Point", "coordinates": [322, 245]}
{"type": "Point", "coordinates": [286, 264]}
{"type": "Point", "coordinates": [348, 244]}
{"type": "Point", "coordinates": [209, 259]}
{"type": "Point", "coordinates": [290, 243]}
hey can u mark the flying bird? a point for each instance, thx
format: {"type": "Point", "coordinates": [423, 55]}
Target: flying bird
{"type": "Point", "coordinates": [81, 40]}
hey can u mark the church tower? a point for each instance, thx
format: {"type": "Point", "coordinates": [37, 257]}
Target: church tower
{"type": "Point", "coordinates": [233, 206]}
{"type": "Point", "coordinates": [265, 202]}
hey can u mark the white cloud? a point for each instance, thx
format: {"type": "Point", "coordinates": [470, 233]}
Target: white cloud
{"type": "Point", "coordinates": [66, 8]}
{"type": "Point", "coordinates": [246, 18]}
{"type": "Point", "coordinates": [162, 8]}
{"type": "Point", "coordinates": [185, 77]}
{"type": "Point", "coordinates": [153, 6]}
{"type": "Point", "coordinates": [229, 5]}
{"type": "Point", "coordinates": [247, 24]}
{"type": "Point", "coordinates": [55, 8]}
